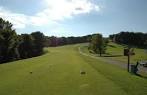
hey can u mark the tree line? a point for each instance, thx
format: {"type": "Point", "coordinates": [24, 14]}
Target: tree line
{"type": "Point", "coordinates": [97, 43]}
{"type": "Point", "coordinates": [15, 47]}
{"type": "Point", "coordinates": [130, 38]}
{"type": "Point", "coordinates": [59, 41]}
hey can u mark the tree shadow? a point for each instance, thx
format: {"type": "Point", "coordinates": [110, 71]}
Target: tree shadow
{"type": "Point", "coordinates": [112, 55]}
{"type": "Point", "coordinates": [112, 46]}
{"type": "Point", "coordinates": [145, 77]}
{"type": "Point", "coordinates": [132, 46]}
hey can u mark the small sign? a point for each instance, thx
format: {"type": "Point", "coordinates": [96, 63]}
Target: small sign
{"type": "Point", "coordinates": [126, 52]}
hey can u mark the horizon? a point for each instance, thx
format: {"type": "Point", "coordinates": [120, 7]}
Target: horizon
{"type": "Point", "coordinates": [75, 18]}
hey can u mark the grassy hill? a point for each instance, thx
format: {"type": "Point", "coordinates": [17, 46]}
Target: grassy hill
{"type": "Point", "coordinates": [115, 49]}
{"type": "Point", "coordinates": [59, 73]}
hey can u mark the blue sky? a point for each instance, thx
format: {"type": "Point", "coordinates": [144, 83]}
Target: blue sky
{"type": "Point", "coordinates": [75, 17]}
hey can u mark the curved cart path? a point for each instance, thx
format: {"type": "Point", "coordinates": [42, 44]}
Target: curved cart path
{"type": "Point", "coordinates": [112, 61]}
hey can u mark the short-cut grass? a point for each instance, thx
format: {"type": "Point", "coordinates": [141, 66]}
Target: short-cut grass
{"type": "Point", "coordinates": [58, 72]}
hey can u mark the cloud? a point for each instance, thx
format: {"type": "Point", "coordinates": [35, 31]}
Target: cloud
{"type": "Point", "coordinates": [19, 20]}
{"type": "Point", "coordinates": [55, 10]}
{"type": "Point", "coordinates": [60, 9]}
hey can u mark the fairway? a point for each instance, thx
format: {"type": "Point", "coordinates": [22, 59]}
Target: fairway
{"type": "Point", "coordinates": [58, 72]}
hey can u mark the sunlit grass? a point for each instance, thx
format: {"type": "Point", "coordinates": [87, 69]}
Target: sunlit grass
{"type": "Point", "coordinates": [58, 72]}
{"type": "Point", "coordinates": [115, 49]}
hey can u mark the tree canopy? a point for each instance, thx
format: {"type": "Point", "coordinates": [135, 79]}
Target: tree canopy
{"type": "Point", "coordinates": [13, 46]}
{"type": "Point", "coordinates": [97, 44]}
{"type": "Point", "coordinates": [8, 42]}
{"type": "Point", "coordinates": [130, 38]}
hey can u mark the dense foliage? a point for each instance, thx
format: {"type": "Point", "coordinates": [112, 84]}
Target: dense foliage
{"type": "Point", "coordinates": [58, 41]}
{"type": "Point", "coordinates": [38, 42]}
{"type": "Point", "coordinates": [8, 42]}
{"type": "Point", "coordinates": [130, 38]}
{"type": "Point", "coordinates": [13, 46]}
{"type": "Point", "coordinates": [98, 44]}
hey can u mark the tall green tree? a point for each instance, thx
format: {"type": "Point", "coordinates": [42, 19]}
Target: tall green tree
{"type": "Point", "coordinates": [39, 40]}
{"type": "Point", "coordinates": [8, 42]}
{"type": "Point", "coordinates": [98, 44]}
{"type": "Point", "coordinates": [26, 46]}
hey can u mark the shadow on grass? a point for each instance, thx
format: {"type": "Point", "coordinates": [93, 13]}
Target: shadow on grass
{"type": "Point", "coordinates": [112, 55]}
{"type": "Point", "coordinates": [132, 46]}
{"type": "Point", "coordinates": [7, 62]}
{"type": "Point", "coordinates": [142, 76]}
{"type": "Point", "coordinates": [112, 46]}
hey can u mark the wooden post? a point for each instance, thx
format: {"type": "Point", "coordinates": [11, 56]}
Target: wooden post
{"type": "Point", "coordinates": [128, 62]}
{"type": "Point", "coordinates": [128, 52]}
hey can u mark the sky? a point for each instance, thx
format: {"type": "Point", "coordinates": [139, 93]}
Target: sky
{"type": "Point", "coordinates": [75, 17]}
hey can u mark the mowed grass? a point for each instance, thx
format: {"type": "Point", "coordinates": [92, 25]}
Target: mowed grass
{"type": "Point", "coordinates": [117, 51]}
{"type": "Point", "coordinates": [58, 73]}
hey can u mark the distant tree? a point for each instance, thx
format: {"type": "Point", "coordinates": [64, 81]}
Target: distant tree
{"type": "Point", "coordinates": [63, 40]}
{"type": "Point", "coordinates": [58, 41]}
{"type": "Point", "coordinates": [111, 37]}
{"type": "Point", "coordinates": [70, 40]}
{"type": "Point", "coordinates": [89, 38]}
{"type": "Point", "coordinates": [106, 40]}
{"type": "Point", "coordinates": [53, 41]}
{"type": "Point", "coordinates": [39, 40]}
{"type": "Point", "coordinates": [145, 44]}
{"type": "Point", "coordinates": [8, 42]}
{"type": "Point", "coordinates": [130, 38]}
{"type": "Point", "coordinates": [47, 41]}
{"type": "Point", "coordinates": [98, 44]}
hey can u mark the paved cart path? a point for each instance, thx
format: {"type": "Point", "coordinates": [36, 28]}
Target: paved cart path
{"type": "Point", "coordinates": [112, 61]}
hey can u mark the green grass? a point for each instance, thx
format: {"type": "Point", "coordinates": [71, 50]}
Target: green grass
{"type": "Point", "coordinates": [115, 49]}
{"type": "Point", "coordinates": [58, 73]}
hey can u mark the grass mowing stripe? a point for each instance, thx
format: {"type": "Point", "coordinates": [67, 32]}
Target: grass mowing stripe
{"type": "Point", "coordinates": [130, 83]}
{"type": "Point", "coordinates": [58, 73]}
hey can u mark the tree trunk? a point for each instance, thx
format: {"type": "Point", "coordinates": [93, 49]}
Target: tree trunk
{"type": "Point", "coordinates": [100, 50]}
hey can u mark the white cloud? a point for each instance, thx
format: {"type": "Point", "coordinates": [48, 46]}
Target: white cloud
{"type": "Point", "coordinates": [19, 20]}
{"type": "Point", "coordinates": [56, 10]}
{"type": "Point", "coordinates": [60, 9]}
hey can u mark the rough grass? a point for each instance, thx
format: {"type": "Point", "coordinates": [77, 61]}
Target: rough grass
{"type": "Point", "coordinates": [58, 73]}
{"type": "Point", "coordinates": [115, 49]}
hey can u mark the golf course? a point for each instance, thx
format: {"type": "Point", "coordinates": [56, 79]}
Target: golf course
{"type": "Point", "coordinates": [64, 70]}
{"type": "Point", "coordinates": [73, 47]}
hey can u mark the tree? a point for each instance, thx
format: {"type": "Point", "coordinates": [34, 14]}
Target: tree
{"type": "Point", "coordinates": [130, 38]}
{"type": "Point", "coordinates": [145, 44]}
{"type": "Point", "coordinates": [26, 46]}
{"type": "Point", "coordinates": [47, 41]}
{"type": "Point", "coordinates": [53, 41]}
{"type": "Point", "coordinates": [39, 40]}
{"type": "Point", "coordinates": [13, 47]}
{"type": "Point", "coordinates": [98, 44]}
{"type": "Point", "coordinates": [8, 42]}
